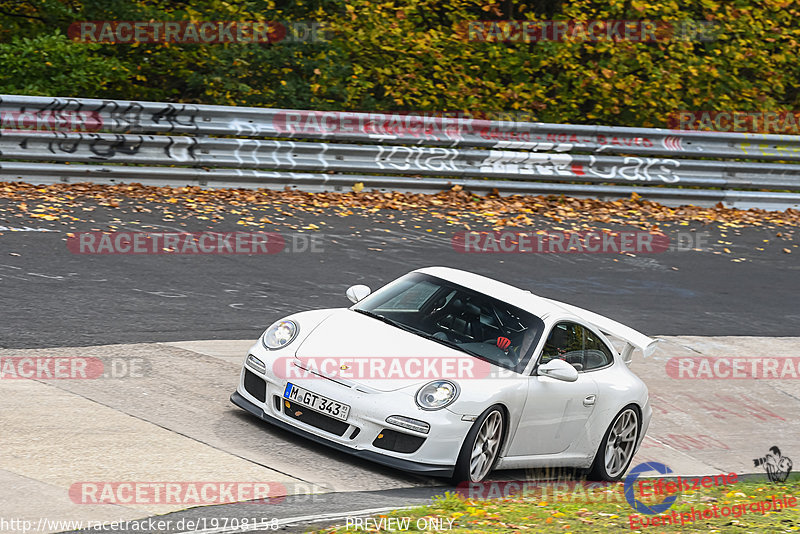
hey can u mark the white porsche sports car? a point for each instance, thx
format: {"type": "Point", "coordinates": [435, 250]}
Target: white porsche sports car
{"type": "Point", "coordinates": [448, 373]}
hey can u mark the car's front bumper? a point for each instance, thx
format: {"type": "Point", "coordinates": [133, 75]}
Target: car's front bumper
{"type": "Point", "coordinates": [366, 432]}
{"type": "Point", "coordinates": [397, 463]}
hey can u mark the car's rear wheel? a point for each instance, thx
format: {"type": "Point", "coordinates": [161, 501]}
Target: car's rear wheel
{"type": "Point", "coordinates": [617, 447]}
{"type": "Point", "coordinates": [481, 447]}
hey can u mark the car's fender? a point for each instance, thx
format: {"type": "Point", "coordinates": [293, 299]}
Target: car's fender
{"type": "Point", "coordinates": [617, 387]}
{"type": "Point", "coordinates": [478, 395]}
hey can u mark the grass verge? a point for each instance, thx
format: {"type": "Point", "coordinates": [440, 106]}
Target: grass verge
{"type": "Point", "coordinates": [583, 508]}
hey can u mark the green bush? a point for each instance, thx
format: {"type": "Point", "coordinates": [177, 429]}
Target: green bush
{"type": "Point", "coordinates": [51, 65]}
{"type": "Point", "coordinates": [413, 55]}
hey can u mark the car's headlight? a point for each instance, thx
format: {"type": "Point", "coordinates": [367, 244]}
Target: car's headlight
{"type": "Point", "coordinates": [436, 395]}
{"type": "Point", "coordinates": [280, 334]}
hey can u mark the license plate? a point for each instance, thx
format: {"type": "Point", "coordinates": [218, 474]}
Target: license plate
{"type": "Point", "coordinates": [316, 402]}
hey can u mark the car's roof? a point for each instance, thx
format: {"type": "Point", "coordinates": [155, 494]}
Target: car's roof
{"type": "Point", "coordinates": [520, 298]}
{"type": "Point", "coordinates": [542, 306]}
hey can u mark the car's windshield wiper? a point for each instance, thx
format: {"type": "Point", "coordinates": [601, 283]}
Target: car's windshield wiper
{"type": "Point", "coordinates": [386, 320]}
{"type": "Point", "coordinates": [446, 342]}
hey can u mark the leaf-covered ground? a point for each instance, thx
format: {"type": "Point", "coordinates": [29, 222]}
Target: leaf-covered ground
{"type": "Point", "coordinates": [457, 206]}
{"type": "Point", "coordinates": [69, 207]}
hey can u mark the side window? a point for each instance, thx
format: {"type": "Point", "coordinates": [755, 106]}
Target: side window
{"type": "Point", "coordinates": [564, 342]}
{"type": "Point", "coordinates": [576, 345]}
{"type": "Point", "coordinates": [596, 353]}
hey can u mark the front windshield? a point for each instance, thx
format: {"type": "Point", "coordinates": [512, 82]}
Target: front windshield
{"type": "Point", "coordinates": [477, 324]}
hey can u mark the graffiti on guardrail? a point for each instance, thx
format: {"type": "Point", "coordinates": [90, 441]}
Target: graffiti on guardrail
{"type": "Point", "coordinates": [432, 158]}
{"type": "Point", "coordinates": [638, 170]}
{"type": "Point", "coordinates": [554, 160]}
{"type": "Point", "coordinates": [600, 140]}
{"type": "Point", "coordinates": [104, 148]}
{"type": "Point", "coordinates": [173, 116]}
{"type": "Point", "coordinates": [545, 164]}
{"type": "Point", "coordinates": [101, 147]}
{"type": "Point", "coordinates": [70, 114]}
{"type": "Point", "coordinates": [182, 149]}
{"type": "Point", "coordinates": [197, 143]}
{"type": "Point", "coordinates": [122, 116]}
{"type": "Point", "coordinates": [431, 126]}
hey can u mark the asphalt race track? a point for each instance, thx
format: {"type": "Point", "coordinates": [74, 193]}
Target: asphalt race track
{"type": "Point", "coordinates": [170, 419]}
{"type": "Point", "coordinates": [54, 298]}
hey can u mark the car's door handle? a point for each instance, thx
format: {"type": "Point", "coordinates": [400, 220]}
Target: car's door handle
{"type": "Point", "coordinates": [589, 400]}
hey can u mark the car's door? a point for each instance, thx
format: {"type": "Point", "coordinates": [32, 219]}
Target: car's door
{"type": "Point", "coordinates": [556, 412]}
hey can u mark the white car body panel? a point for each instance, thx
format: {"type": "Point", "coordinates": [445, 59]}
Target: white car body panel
{"type": "Point", "coordinates": [608, 326]}
{"type": "Point", "coordinates": [548, 420]}
{"type": "Point", "coordinates": [364, 337]}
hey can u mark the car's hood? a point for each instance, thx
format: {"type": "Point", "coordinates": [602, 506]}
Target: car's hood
{"type": "Point", "coordinates": [380, 356]}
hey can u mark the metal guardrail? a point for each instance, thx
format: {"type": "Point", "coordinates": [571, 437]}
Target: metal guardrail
{"type": "Point", "coordinates": [66, 139]}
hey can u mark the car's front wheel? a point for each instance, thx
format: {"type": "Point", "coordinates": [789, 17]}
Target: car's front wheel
{"type": "Point", "coordinates": [481, 447]}
{"type": "Point", "coordinates": [617, 447]}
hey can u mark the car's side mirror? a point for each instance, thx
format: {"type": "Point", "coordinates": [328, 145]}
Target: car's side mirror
{"type": "Point", "coordinates": [357, 292]}
{"type": "Point", "coordinates": [558, 369]}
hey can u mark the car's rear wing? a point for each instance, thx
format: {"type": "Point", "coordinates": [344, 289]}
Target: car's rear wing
{"type": "Point", "coordinates": [633, 339]}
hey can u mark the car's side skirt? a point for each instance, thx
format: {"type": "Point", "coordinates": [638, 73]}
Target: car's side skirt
{"type": "Point", "coordinates": [544, 460]}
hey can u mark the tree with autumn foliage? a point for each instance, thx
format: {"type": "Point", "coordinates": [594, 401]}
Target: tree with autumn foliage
{"type": "Point", "coordinates": [414, 55]}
